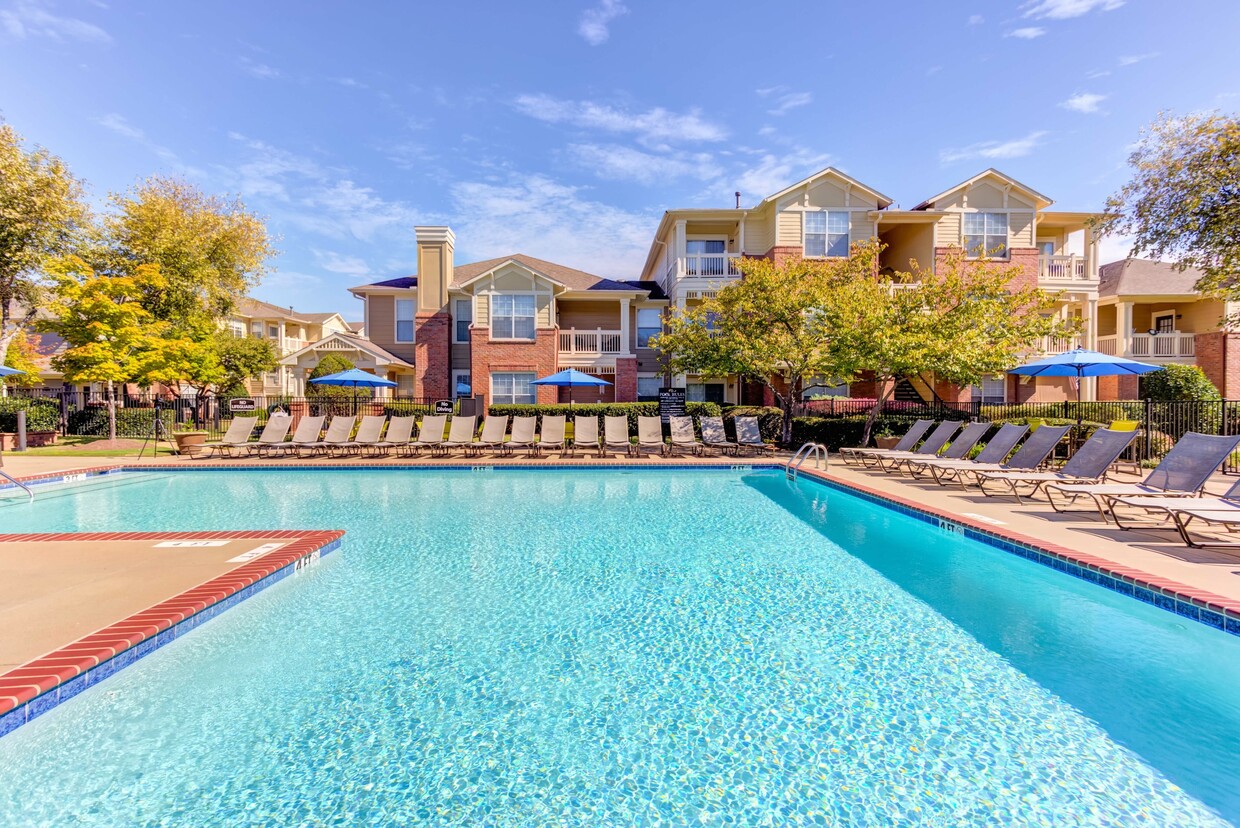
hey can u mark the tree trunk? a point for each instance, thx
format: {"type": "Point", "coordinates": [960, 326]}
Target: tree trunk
{"type": "Point", "coordinates": [870, 419]}
{"type": "Point", "coordinates": [112, 410]}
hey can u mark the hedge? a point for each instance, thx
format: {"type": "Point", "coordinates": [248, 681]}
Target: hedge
{"type": "Point", "coordinates": [632, 410]}
{"type": "Point", "coordinates": [770, 420]}
{"type": "Point", "coordinates": [41, 415]}
{"type": "Point", "coordinates": [838, 432]}
{"type": "Point", "coordinates": [130, 422]}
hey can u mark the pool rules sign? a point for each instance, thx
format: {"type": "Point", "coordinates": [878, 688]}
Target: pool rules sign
{"type": "Point", "coordinates": [671, 403]}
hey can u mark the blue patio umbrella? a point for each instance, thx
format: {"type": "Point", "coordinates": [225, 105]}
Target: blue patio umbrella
{"type": "Point", "coordinates": [354, 378]}
{"type": "Point", "coordinates": [571, 378]}
{"type": "Point", "coordinates": [8, 372]}
{"type": "Point", "coordinates": [1081, 362]}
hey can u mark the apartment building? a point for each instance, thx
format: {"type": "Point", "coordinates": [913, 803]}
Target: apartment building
{"type": "Point", "coordinates": [289, 332]}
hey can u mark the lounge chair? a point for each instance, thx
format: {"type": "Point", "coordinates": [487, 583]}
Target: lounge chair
{"type": "Point", "coordinates": [749, 435]}
{"type": "Point", "coordinates": [1182, 473]}
{"type": "Point", "coordinates": [493, 430]}
{"type": "Point", "coordinates": [460, 435]}
{"type": "Point", "coordinates": [305, 435]}
{"type": "Point", "coordinates": [551, 435]}
{"type": "Point", "coordinates": [958, 449]}
{"type": "Point", "coordinates": [339, 432]}
{"type": "Point", "coordinates": [430, 433]}
{"type": "Point", "coordinates": [1223, 510]}
{"type": "Point", "coordinates": [683, 437]}
{"type": "Point", "coordinates": [237, 436]}
{"type": "Point", "coordinates": [616, 434]}
{"type": "Point", "coordinates": [399, 433]}
{"type": "Point", "coordinates": [852, 455]}
{"type": "Point", "coordinates": [585, 436]}
{"type": "Point", "coordinates": [522, 436]}
{"type": "Point", "coordinates": [273, 436]}
{"type": "Point", "coordinates": [993, 454]}
{"type": "Point", "coordinates": [715, 438]}
{"type": "Point", "coordinates": [930, 447]}
{"type": "Point", "coordinates": [367, 436]}
{"type": "Point", "coordinates": [1089, 464]}
{"type": "Point", "coordinates": [650, 436]}
{"type": "Point", "coordinates": [1032, 454]}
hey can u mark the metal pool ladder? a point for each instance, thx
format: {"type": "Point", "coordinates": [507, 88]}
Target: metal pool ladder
{"type": "Point", "coordinates": [816, 450]}
{"type": "Point", "coordinates": [18, 483]}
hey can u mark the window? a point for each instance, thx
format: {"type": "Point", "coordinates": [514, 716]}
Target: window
{"type": "Point", "coordinates": [991, 391]}
{"type": "Point", "coordinates": [1046, 248]}
{"type": "Point", "coordinates": [512, 389]}
{"type": "Point", "coordinates": [237, 328]}
{"type": "Point", "coordinates": [272, 379]}
{"type": "Point", "coordinates": [648, 388]}
{"type": "Point", "coordinates": [404, 320]}
{"type": "Point", "coordinates": [273, 331]}
{"type": "Point", "coordinates": [404, 385]}
{"type": "Point", "coordinates": [461, 386]}
{"type": "Point", "coordinates": [1164, 322]}
{"type": "Point", "coordinates": [256, 330]}
{"type": "Point", "coordinates": [712, 321]}
{"type": "Point", "coordinates": [464, 317]}
{"type": "Point", "coordinates": [704, 392]}
{"type": "Point", "coordinates": [985, 234]}
{"type": "Point", "coordinates": [512, 316]}
{"type": "Point", "coordinates": [826, 233]}
{"type": "Point", "coordinates": [649, 323]}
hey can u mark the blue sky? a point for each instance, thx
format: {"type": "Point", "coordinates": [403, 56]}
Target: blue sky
{"type": "Point", "coordinates": [564, 129]}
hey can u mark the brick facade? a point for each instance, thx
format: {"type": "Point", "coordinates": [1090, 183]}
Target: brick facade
{"type": "Point", "coordinates": [1119, 388]}
{"type": "Point", "coordinates": [626, 379]}
{"type": "Point", "coordinates": [489, 356]}
{"type": "Point", "coordinates": [431, 361]}
{"type": "Point", "coordinates": [1024, 260]}
{"type": "Point", "coordinates": [1218, 355]}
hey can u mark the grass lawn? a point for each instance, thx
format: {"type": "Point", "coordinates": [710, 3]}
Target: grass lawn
{"type": "Point", "coordinates": [82, 447]}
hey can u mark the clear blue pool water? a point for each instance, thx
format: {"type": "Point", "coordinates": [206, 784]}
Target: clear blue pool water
{"type": "Point", "coordinates": [629, 648]}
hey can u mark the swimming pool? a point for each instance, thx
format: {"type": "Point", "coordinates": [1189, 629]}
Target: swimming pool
{"type": "Point", "coordinates": [629, 647]}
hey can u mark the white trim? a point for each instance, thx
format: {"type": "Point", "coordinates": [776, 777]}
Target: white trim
{"type": "Point", "coordinates": [456, 373]}
{"type": "Point", "coordinates": [1156, 315]}
{"type": "Point", "coordinates": [491, 316]}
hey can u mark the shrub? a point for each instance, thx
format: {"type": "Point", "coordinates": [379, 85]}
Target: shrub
{"type": "Point", "coordinates": [837, 432]}
{"type": "Point", "coordinates": [41, 415]}
{"type": "Point", "coordinates": [770, 420]}
{"type": "Point", "coordinates": [1174, 383]}
{"type": "Point", "coordinates": [330, 364]}
{"type": "Point", "coordinates": [632, 410]}
{"type": "Point", "coordinates": [130, 422]}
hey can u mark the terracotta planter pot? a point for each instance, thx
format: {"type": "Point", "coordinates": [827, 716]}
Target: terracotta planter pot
{"type": "Point", "coordinates": [189, 443]}
{"type": "Point", "coordinates": [886, 442]}
{"type": "Point", "coordinates": [34, 439]}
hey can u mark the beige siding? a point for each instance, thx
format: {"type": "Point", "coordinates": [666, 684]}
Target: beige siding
{"type": "Point", "coordinates": [482, 311]}
{"type": "Point", "coordinates": [908, 241]}
{"type": "Point", "coordinates": [947, 230]}
{"type": "Point", "coordinates": [382, 328]}
{"type": "Point", "coordinates": [1193, 317]}
{"type": "Point", "coordinates": [759, 235]}
{"type": "Point", "coordinates": [1020, 229]}
{"type": "Point", "coordinates": [588, 315]}
{"type": "Point", "coordinates": [788, 228]}
{"type": "Point", "coordinates": [545, 311]}
{"type": "Point", "coordinates": [1057, 236]}
{"type": "Point", "coordinates": [860, 227]}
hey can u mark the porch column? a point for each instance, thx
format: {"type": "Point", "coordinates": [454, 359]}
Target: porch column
{"type": "Point", "coordinates": [1123, 328]}
{"type": "Point", "coordinates": [625, 348]}
{"type": "Point", "coordinates": [1090, 388]}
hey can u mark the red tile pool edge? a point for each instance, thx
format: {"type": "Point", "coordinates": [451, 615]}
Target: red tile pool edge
{"type": "Point", "coordinates": [36, 678]}
{"type": "Point", "coordinates": [1162, 586]}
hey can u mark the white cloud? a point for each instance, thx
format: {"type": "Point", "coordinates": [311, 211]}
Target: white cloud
{"type": "Point", "coordinates": [1129, 60]}
{"type": "Point", "coordinates": [1086, 102]}
{"type": "Point", "coordinates": [259, 70]}
{"type": "Point", "coordinates": [1027, 32]}
{"type": "Point", "coordinates": [536, 215]}
{"type": "Point", "coordinates": [773, 172]}
{"type": "Point", "coordinates": [117, 123]}
{"type": "Point", "coordinates": [994, 150]}
{"type": "Point", "coordinates": [976, 20]}
{"type": "Point", "coordinates": [611, 161]}
{"type": "Point", "coordinates": [654, 126]}
{"type": "Point", "coordinates": [354, 267]}
{"type": "Point", "coordinates": [1066, 9]}
{"type": "Point", "coordinates": [32, 19]}
{"type": "Point", "coordinates": [594, 22]}
{"type": "Point", "coordinates": [786, 100]}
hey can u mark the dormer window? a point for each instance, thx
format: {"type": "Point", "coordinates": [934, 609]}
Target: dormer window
{"type": "Point", "coordinates": [826, 234]}
{"type": "Point", "coordinates": [986, 234]}
{"type": "Point", "coordinates": [512, 316]}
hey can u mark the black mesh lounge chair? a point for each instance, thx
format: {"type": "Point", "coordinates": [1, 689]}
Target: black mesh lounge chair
{"type": "Point", "coordinates": [992, 455]}
{"type": "Point", "coordinates": [959, 447]}
{"type": "Point", "coordinates": [1032, 454]}
{"type": "Point", "coordinates": [1090, 464]}
{"type": "Point", "coordinates": [930, 447]}
{"type": "Point", "coordinates": [1220, 511]}
{"type": "Point", "coordinates": [852, 455]}
{"type": "Point", "coordinates": [1182, 473]}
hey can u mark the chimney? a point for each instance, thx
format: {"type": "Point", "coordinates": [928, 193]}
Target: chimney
{"type": "Point", "coordinates": [435, 263]}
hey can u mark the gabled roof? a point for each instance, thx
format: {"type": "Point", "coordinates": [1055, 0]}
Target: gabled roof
{"type": "Point", "coordinates": [381, 356]}
{"type": "Point", "coordinates": [653, 288]}
{"type": "Point", "coordinates": [320, 318]}
{"type": "Point", "coordinates": [882, 200]}
{"type": "Point", "coordinates": [1142, 277]}
{"type": "Point", "coordinates": [247, 306]}
{"type": "Point", "coordinates": [1040, 200]}
{"type": "Point", "coordinates": [464, 274]}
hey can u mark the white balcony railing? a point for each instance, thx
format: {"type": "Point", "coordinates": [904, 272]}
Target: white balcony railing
{"type": "Point", "coordinates": [711, 265]}
{"type": "Point", "coordinates": [1063, 269]}
{"type": "Point", "coordinates": [595, 342]}
{"type": "Point", "coordinates": [292, 343]}
{"type": "Point", "coordinates": [1173, 345]}
{"type": "Point", "coordinates": [1060, 344]}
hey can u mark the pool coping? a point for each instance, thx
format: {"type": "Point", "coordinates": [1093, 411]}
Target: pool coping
{"type": "Point", "coordinates": [33, 688]}
{"type": "Point", "coordinates": [1215, 611]}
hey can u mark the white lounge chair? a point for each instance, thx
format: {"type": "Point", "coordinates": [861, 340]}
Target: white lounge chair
{"type": "Point", "coordinates": [522, 436]}
{"type": "Point", "coordinates": [306, 434]}
{"type": "Point", "coordinates": [339, 432]}
{"type": "Point", "coordinates": [749, 435]}
{"type": "Point", "coordinates": [399, 433]}
{"type": "Point", "coordinates": [683, 438]}
{"type": "Point", "coordinates": [585, 435]}
{"type": "Point", "coordinates": [650, 436]}
{"type": "Point", "coordinates": [715, 438]}
{"type": "Point", "coordinates": [493, 430]}
{"type": "Point", "coordinates": [460, 435]}
{"type": "Point", "coordinates": [236, 437]}
{"type": "Point", "coordinates": [551, 435]}
{"type": "Point", "coordinates": [616, 435]}
{"type": "Point", "coordinates": [430, 434]}
{"type": "Point", "coordinates": [368, 434]}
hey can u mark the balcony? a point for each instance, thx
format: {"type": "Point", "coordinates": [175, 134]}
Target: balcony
{"type": "Point", "coordinates": [1052, 345]}
{"type": "Point", "coordinates": [291, 344]}
{"type": "Point", "coordinates": [1176, 345]}
{"type": "Point", "coordinates": [584, 347]}
{"type": "Point", "coordinates": [1064, 269]}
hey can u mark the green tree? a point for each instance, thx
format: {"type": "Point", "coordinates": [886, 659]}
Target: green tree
{"type": "Point", "coordinates": [41, 215]}
{"type": "Point", "coordinates": [241, 358]}
{"type": "Point", "coordinates": [210, 250]}
{"type": "Point", "coordinates": [330, 364]}
{"type": "Point", "coordinates": [1183, 201]}
{"type": "Point", "coordinates": [1173, 383]}
{"type": "Point", "coordinates": [111, 337]}
{"type": "Point", "coordinates": [21, 355]}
